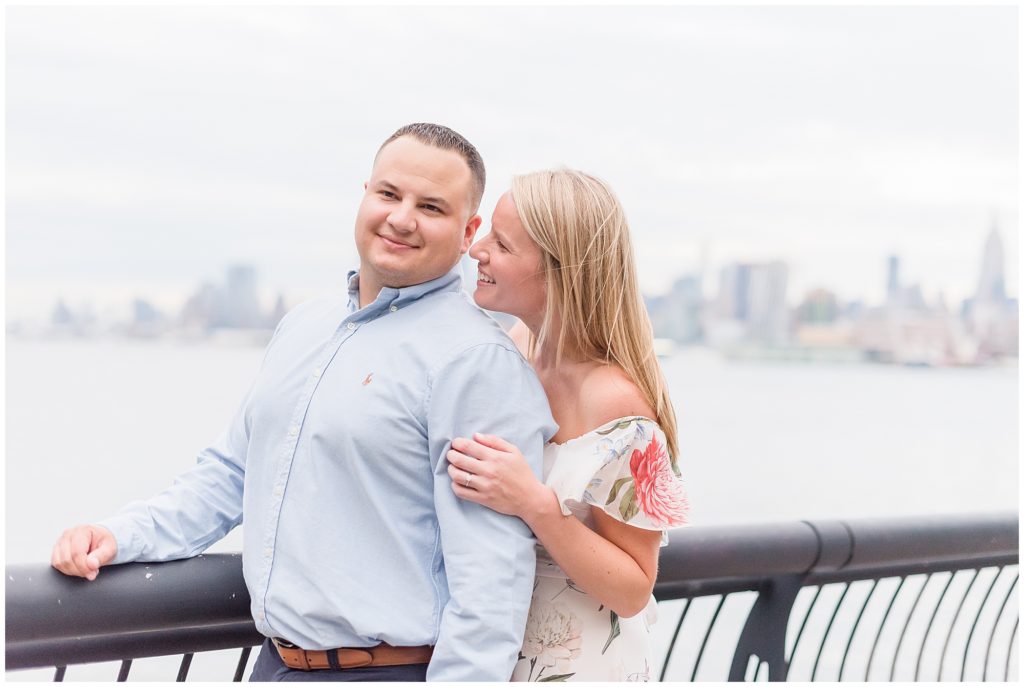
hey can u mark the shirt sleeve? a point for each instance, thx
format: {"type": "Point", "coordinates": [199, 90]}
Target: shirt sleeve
{"type": "Point", "coordinates": [489, 558]}
{"type": "Point", "coordinates": [199, 508]}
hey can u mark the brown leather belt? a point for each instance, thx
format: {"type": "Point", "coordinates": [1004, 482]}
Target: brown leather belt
{"type": "Point", "coordinates": [380, 655]}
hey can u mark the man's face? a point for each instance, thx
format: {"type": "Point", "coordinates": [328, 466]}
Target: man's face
{"type": "Point", "coordinates": [415, 219]}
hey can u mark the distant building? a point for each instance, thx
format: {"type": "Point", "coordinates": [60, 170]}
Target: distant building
{"type": "Point", "coordinates": [241, 306]}
{"type": "Point", "coordinates": [201, 310]}
{"type": "Point", "coordinates": [818, 307]}
{"type": "Point", "coordinates": [146, 320]}
{"type": "Point", "coordinates": [677, 314]}
{"type": "Point", "coordinates": [61, 316]}
{"type": "Point", "coordinates": [753, 295]}
{"type": "Point", "coordinates": [236, 305]}
{"type": "Point", "coordinates": [893, 285]}
{"type": "Point", "coordinates": [899, 296]}
{"type": "Point", "coordinates": [992, 278]}
{"type": "Point", "coordinates": [65, 322]}
{"type": "Point", "coordinates": [991, 317]}
{"type": "Point", "coordinates": [279, 311]}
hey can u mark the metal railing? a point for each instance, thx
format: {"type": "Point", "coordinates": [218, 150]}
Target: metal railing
{"type": "Point", "coordinates": [871, 599]}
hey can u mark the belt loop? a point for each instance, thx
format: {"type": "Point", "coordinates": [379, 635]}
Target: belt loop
{"type": "Point", "coordinates": [332, 659]}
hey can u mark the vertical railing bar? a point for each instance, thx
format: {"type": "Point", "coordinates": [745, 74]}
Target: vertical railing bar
{"type": "Point", "coordinates": [931, 621]}
{"type": "Point", "coordinates": [952, 625]}
{"type": "Point", "coordinates": [186, 661]}
{"type": "Point", "coordinates": [903, 633]}
{"type": "Point", "coordinates": [711, 626]}
{"type": "Point", "coordinates": [243, 660]}
{"type": "Point", "coordinates": [999, 616]}
{"type": "Point", "coordinates": [122, 674]}
{"type": "Point", "coordinates": [824, 637]}
{"type": "Point", "coordinates": [58, 674]}
{"type": "Point", "coordinates": [672, 646]}
{"type": "Point", "coordinates": [974, 625]}
{"type": "Point", "coordinates": [1009, 650]}
{"type": "Point", "coordinates": [803, 624]}
{"type": "Point", "coordinates": [856, 624]}
{"type": "Point", "coordinates": [881, 626]}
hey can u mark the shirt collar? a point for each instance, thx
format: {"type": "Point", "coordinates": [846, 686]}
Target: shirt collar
{"type": "Point", "coordinates": [391, 297]}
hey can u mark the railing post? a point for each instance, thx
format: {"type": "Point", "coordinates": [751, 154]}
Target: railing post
{"type": "Point", "coordinates": [764, 634]}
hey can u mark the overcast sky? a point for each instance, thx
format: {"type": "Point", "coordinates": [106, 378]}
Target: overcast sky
{"type": "Point", "coordinates": [149, 147]}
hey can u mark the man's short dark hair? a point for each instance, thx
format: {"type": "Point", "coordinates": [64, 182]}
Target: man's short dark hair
{"type": "Point", "coordinates": [446, 139]}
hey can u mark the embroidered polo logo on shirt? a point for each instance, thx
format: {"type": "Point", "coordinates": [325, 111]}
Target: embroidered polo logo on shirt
{"type": "Point", "coordinates": [369, 378]}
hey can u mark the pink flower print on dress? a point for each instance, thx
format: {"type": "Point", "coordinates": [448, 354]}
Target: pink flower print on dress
{"type": "Point", "coordinates": [658, 491]}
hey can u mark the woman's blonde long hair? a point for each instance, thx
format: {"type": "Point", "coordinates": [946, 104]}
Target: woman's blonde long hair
{"type": "Point", "coordinates": [591, 282]}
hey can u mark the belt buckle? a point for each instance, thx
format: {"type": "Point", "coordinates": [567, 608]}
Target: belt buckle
{"type": "Point", "coordinates": [296, 658]}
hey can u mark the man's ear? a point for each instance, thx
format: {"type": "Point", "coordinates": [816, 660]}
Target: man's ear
{"type": "Point", "coordinates": [471, 226]}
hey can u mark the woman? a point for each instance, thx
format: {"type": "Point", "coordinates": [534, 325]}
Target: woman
{"type": "Point", "coordinates": [559, 258]}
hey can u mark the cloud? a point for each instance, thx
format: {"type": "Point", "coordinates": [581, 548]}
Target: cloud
{"type": "Point", "coordinates": [172, 140]}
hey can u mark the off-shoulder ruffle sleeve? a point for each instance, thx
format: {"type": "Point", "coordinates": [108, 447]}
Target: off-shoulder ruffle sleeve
{"type": "Point", "coordinates": [623, 468]}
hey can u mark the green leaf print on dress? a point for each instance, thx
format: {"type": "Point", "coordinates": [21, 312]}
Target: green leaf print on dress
{"type": "Point", "coordinates": [621, 424]}
{"type": "Point", "coordinates": [627, 506]}
{"type": "Point", "coordinates": [615, 489]}
{"type": "Point", "coordinates": [615, 632]}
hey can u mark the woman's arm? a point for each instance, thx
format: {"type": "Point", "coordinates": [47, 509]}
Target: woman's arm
{"type": "Point", "coordinates": [617, 564]}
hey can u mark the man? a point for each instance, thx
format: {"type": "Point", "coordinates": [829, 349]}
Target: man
{"type": "Point", "coordinates": [353, 537]}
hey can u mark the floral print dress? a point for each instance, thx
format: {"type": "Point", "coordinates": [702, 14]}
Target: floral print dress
{"type": "Point", "coordinates": [623, 468]}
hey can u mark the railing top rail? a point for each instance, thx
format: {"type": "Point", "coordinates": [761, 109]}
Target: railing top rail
{"type": "Point", "coordinates": [42, 603]}
{"type": "Point", "coordinates": [796, 548]}
{"type": "Point", "coordinates": [189, 597]}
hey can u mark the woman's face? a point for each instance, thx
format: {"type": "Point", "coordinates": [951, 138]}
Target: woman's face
{"type": "Point", "coordinates": [510, 276]}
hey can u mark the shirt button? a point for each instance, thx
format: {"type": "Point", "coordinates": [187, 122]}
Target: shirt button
{"type": "Point", "coordinates": [316, 372]}
{"type": "Point", "coordinates": [351, 325]}
{"type": "Point", "coordinates": [293, 430]}
{"type": "Point", "coordinates": [394, 308]}
{"type": "Point", "coordinates": [262, 617]}
{"type": "Point", "coordinates": [267, 552]}
{"type": "Point", "coordinates": [277, 491]}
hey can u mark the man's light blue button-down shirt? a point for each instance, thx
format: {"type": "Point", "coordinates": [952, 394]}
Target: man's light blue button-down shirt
{"type": "Point", "coordinates": [336, 458]}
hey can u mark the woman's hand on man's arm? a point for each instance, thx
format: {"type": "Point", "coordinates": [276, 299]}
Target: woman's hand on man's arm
{"type": "Point", "coordinates": [492, 472]}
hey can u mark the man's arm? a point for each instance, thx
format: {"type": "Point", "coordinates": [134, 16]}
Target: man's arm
{"type": "Point", "coordinates": [489, 558]}
{"type": "Point", "coordinates": [202, 506]}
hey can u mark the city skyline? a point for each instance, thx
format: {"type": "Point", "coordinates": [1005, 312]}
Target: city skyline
{"type": "Point", "coordinates": [991, 279]}
{"type": "Point", "coordinates": [752, 306]}
{"type": "Point", "coordinates": [828, 137]}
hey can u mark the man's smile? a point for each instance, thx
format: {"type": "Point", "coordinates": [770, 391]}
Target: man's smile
{"type": "Point", "coordinates": [395, 244]}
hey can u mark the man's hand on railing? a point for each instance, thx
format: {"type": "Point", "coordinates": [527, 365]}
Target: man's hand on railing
{"type": "Point", "coordinates": [82, 550]}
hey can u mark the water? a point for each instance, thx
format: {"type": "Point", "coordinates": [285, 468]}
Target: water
{"type": "Point", "coordinates": [94, 424]}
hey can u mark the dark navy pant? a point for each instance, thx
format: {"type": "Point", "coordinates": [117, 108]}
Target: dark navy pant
{"type": "Point", "coordinates": [270, 668]}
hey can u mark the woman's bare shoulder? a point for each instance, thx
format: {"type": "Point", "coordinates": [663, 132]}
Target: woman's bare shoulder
{"type": "Point", "coordinates": [520, 335]}
{"type": "Point", "coordinates": [607, 393]}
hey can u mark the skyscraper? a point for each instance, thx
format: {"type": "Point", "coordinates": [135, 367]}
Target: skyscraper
{"type": "Point", "coordinates": [755, 294]}
{"type": "Point", "coordinates": [893, 287]}
{"type": "Point", "coordinates": [992, 281]}
{"type": "Point", "coordinates": [241, 303]}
